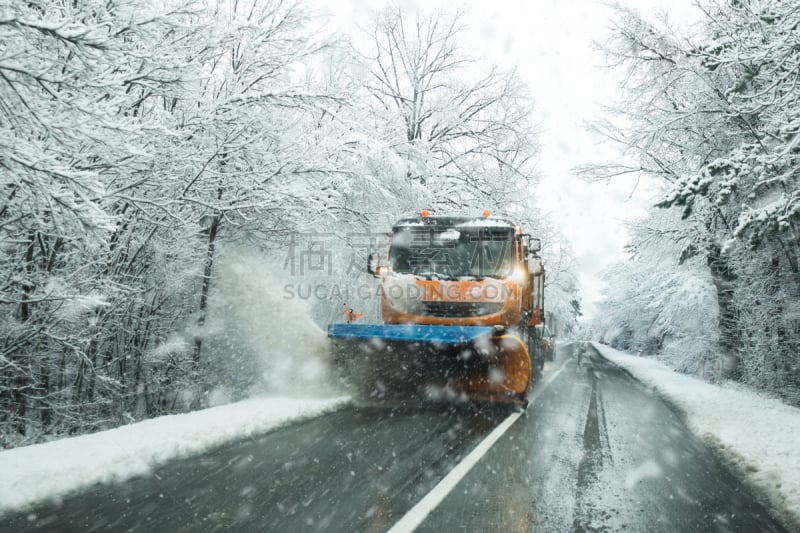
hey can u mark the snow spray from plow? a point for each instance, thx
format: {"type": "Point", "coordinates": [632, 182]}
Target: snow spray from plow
{"type": "Point", "coordinates": [265, 339]}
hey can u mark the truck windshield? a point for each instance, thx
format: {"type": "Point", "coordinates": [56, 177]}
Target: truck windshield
{"type": "Point", "coordinates": [452, 253]}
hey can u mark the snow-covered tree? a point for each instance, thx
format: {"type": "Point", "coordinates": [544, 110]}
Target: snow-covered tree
{"type": "Point", "coordinates": [714, 114]}
{"type": "Point", "coordinates": [134, 137]}
{"type": "Point", "coordinates": [659, 302]}
{"type": "Point", "coordinates": [74, 144]}
{"type": "Point", "coordinates": [461, 126]}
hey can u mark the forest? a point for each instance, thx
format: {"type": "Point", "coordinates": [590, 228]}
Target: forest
{"type": "Point", "coordinates": [151, 152]}
{"type": "Point", "coordinates": [146, 147]}
{"type": "Point", "coordinates": [712, 282]}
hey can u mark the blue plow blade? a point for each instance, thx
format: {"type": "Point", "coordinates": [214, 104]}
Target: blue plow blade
{"type": "Point", "coordinates": [409, 332]}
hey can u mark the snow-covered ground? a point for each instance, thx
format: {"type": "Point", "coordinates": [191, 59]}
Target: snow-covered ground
{"type": "Point", "coordinates": [760, 436]}
{"type": "Point", "coordinates": [51, 470]}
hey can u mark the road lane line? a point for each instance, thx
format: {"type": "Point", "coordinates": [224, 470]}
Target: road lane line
{"type": "Point", "coordinates": [415, 516]}
{"type": "Point", "coordinates": [545, 383]}
{"type": "Point", "coordinates": [423, 508]}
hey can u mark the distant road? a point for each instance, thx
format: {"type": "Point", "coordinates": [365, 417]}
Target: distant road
{"type": "Point", "coordinates": [595, 451]}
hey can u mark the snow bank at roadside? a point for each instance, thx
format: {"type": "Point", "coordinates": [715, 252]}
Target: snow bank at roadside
{"type": "Point", "coordinates": [758, 435]}
{"type": "Point", "coordinates": [51, 470]}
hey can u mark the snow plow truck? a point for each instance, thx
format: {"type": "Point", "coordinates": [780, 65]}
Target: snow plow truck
{"type": "Point", "coordinates": [460, 301]}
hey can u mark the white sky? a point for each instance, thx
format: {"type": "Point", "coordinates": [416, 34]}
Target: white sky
{"type": "Point", "coordinates": [551, 43]}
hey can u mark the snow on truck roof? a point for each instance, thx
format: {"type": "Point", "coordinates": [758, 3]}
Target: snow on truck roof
{"type": "Point", "coordinates": [454, 222]}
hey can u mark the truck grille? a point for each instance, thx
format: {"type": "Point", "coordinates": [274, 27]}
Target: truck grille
{"type": "Point", "coordinates": [460, 309]}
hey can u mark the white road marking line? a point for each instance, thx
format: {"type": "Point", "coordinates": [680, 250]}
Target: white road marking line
{"type": "Point", "coordinates": [419, 512]}
{"type": "Point", "coordinates": [414, 517]}
{"type": "Point", "coordinates": [545, 383]}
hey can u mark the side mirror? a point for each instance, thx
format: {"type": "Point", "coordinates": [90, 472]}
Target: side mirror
{"type": "Point", "coordinates": [534, 244]}
{"type": "Point", "coordinates": [376, 267]}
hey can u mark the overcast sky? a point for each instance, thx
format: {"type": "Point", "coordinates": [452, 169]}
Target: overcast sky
{"type": "Point", "coordinates": [551, 42]}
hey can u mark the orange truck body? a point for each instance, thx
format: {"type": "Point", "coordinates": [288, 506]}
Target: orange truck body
{"type": "Point", "coordinates": [460, 300]}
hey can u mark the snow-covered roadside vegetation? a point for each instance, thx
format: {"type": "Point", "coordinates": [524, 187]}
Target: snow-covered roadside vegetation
{"type": "Point", "coordinates": [153, 154]}
{"type": "Point", "coordinates": [757, 434]}
{"type": "Point", "coordinates": [712, 285]}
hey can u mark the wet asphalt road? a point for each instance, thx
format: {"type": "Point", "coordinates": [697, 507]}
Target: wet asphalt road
{"type": "Point", "coordinates": [595, 451]}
